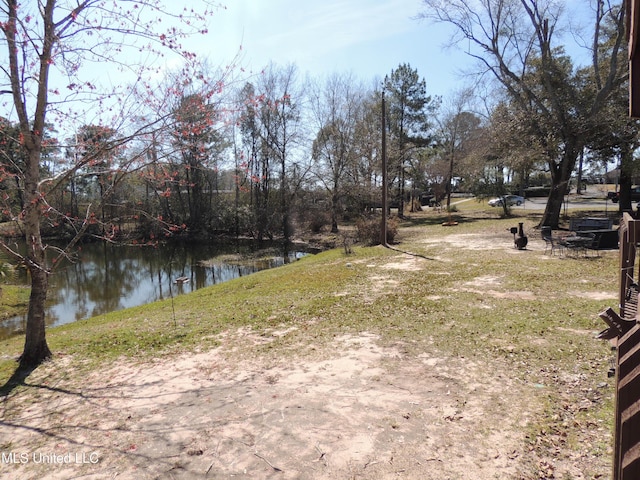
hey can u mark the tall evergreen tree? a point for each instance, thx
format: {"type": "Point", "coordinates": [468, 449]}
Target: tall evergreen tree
{"type": "Point", "coordinates": [408, 122]}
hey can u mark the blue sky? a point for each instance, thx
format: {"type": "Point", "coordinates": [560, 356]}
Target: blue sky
{"type": "Point", "coordinates": [365, 37]}
{"type": "Point", "coordinates": [368, 38]}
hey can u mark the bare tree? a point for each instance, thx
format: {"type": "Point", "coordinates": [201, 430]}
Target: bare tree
{"type": "Point", "coordinates": [280, 127]}
{"type": "Point", "coordinates": [517, 42]}
{"type": "Point", "coordinates": [256, 165]}
{"type": "Point", "coordinates": [336, 107]}
{"type": "Point", "coordinates": [457, 130]}
{"type": "Point", "coordinates": [366, 175]}
{"type": "Point", "coordinates": [48, 46]}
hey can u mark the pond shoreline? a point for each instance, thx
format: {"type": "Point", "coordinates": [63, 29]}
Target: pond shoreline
{"type": "Point", "coordinates": [105, 277]}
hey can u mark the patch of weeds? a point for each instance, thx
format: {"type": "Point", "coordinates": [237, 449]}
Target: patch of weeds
{"type": "Point", "coordinates": [14, 300]}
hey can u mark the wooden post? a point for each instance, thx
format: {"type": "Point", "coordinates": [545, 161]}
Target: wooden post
{"type": "Point", "coordinates": [385, 201]}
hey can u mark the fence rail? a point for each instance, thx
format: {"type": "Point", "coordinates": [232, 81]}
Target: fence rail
{"type": "Point", "coordinates": [626, 460]}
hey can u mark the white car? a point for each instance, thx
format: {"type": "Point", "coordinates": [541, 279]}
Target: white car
{"type": "Point", "coordinates": [509, 199]}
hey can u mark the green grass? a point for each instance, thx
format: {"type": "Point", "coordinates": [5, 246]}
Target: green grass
{"type": "Point", "coordinates": [264, 299]}
{"type": "Point", "coordinates": [14, 300]}
{"type": "Point", "coordinates": [330, 286]}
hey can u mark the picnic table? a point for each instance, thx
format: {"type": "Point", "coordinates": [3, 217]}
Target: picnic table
{"type": "Point", "coordinates": [578, 242]}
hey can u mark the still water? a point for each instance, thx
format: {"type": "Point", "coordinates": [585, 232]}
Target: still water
{"type": "Point", "coordinates": [105, 278]}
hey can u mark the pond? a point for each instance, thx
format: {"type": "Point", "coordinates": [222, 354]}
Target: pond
{"type": "Point", "coordinates": [107, 278]}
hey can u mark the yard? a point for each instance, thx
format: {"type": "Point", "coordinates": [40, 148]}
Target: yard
{"type": "Point", "coordinates": [451, 355]}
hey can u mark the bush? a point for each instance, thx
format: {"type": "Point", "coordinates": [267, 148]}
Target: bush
{"type": "Point", "coordinates": [368, 229]}
{"type": "Point", "coordinates": [318, 221]}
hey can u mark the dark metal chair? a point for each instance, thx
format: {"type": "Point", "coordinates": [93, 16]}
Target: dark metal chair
{"type": "Point", "coordinates": [551, 244]}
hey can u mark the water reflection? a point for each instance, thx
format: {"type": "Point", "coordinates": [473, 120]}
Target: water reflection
{"type": "Point", "coordinates": [107, 277]}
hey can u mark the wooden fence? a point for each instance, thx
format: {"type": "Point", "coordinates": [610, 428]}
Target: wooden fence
{"type": "Point", "coordinates": [625, 334]}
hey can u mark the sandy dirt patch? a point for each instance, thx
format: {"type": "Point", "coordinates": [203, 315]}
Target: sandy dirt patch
{"type": "Point", "coordinates": [474, 241]}
{"type": "Point", "coordinates": [366, 411]}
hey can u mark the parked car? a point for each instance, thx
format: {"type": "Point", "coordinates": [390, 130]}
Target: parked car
{"type": "Point", "coordinates": [509, 200]}
{"type": "Point", "coordinates": [635, 195]}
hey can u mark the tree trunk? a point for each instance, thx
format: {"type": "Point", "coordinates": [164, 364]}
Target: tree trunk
{"type": "Point", "coordinates": [334, 212]}
{"type": "Point", "coordinates": [626, 180]}
{"type": "Point", "coordinates": [579, 187]}
{"type": "Point", "coordinates": [36, 349]}
{"type": "Point", "coordinates": [560, 177]}
{"type": "Point", "coordinates": [449, 185]}
{"type": "Point", "coordinates": [551, 216]}
{"type": "Point", "coordinates": [286, 233]}
{"type": "Point", "coordinates": [624, 187]}
{"type": "Point", "coordinates": [402, 182]}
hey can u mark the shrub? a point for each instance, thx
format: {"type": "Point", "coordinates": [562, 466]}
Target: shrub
{"type": "Point", "coordinates": [368, 229]}
{"type": "Point", "coordinates": [318, 221]}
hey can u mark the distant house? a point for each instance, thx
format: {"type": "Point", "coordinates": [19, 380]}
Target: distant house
{"type": "Point", "coordinates": [613, 176]}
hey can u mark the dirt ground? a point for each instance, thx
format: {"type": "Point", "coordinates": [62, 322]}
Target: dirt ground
{"type": "Point", "coordinates": [366, 412]}
{"type": "Point", "coordinates": [362, 409]}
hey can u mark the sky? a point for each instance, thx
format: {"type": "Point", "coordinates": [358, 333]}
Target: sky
{"type": "Point", "coordinates": [368, 38]}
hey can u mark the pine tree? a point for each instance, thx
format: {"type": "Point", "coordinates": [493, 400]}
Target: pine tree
{"type": "Point", "coordinates": [408, 123]}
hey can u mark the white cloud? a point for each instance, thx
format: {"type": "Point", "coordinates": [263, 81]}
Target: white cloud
{"type": "Point", "coordinates": [339, 24]}
{"type": "Point", "coordinates": [292, 30]}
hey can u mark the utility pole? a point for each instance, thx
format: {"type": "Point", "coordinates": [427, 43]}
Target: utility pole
{"type": "Point", "coordinates": [385, 201]}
